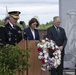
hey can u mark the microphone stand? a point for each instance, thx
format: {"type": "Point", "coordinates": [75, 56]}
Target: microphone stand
{"type": "Point", "coordinates": [27, 54]}
{"type": "Point", "coordinates": [22, 33]}
{"type": "Point", "coordinates": [23, 25]}
{"type": "Point", "coordinates": [25, 46]}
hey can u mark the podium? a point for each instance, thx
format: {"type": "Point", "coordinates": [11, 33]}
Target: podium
{"type": "Point", "coordinates": [35, 68]}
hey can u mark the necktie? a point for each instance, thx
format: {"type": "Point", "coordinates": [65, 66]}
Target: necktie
{"type": "Point", "coordinates": [58, 31]}
{"type": "Point", "coordinates": [14, 27]}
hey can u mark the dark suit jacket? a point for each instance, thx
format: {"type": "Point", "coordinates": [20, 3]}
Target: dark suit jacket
{"type": "Point", "coordinates": [29, 34]}
{"type": "Point", "coordinates": [11, 36]}
{"type": "Point", "coordinates": [52, 34]}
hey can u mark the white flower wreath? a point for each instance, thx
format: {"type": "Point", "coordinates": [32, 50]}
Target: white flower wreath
{"type": "Point", "coordinates": [47, 61]}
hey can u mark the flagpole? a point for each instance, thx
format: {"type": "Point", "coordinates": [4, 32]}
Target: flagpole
{"type": "Point", "coordinates": [6, 11]}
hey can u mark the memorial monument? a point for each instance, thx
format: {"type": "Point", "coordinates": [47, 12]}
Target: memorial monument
{"type": "Point", "coordinates": [67, 13]}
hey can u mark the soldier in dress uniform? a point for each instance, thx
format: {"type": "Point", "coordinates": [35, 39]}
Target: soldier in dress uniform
{"type": "Point", "coordinates": [11, 33]}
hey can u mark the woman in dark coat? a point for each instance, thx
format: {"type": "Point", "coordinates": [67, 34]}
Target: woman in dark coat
{"type": "Point", "coordinates": [31, 32]}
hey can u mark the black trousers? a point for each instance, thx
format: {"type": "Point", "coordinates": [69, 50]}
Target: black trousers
{"type": "Point", "coordinates": [59, 69]}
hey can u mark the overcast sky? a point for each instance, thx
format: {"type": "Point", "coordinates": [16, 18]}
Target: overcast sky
{"type": "Point", "coordinates": [44, 9]}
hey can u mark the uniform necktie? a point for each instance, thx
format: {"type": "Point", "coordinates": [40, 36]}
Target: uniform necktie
{"type": "Point", "coordinates": [14, 27]}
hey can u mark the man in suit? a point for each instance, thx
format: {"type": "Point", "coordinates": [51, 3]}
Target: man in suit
{"type": "Point", "coordinates": [11, 33]}
{"type": "Point", "coordinates": [31, 31]}
{"type": "Point", "coordinates": [57, 34]}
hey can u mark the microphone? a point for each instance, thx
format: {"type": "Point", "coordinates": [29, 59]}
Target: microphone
{"type": "Point", "coordinates": [22, 23]}
{"type": "Point", "coordinates": [23, 32]}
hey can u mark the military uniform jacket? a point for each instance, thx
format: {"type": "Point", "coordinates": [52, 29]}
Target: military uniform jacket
{"type": "Point", "coordinates": [9, 35]}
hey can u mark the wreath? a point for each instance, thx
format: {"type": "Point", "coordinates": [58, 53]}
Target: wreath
{"type": "Point", "coordinates": [44, 46]}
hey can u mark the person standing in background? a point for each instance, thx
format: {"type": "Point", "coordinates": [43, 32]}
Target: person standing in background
{"type": "Point", "coordinates": [31, 31]}
{"type": "Point", "coordinates": [6, 20]}
{"type": "Point", "coordinates": [10, 33]}
{"type": "Point", "coordinates": [57, 34]}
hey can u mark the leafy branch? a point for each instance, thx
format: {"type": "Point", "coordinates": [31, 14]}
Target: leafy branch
{"type": "Point", "coordinates": [13, 59]}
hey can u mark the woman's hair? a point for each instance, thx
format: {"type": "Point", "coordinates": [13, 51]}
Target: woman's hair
{"type": "Point", "coordinates": [32, 21]}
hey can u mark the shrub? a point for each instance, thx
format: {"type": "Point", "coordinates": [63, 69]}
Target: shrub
{"type": "Point", "coordinates": [13, 59]}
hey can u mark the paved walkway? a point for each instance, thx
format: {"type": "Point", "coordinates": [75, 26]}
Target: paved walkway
{"type": "Point", "coordinates": [67, 72]}
{"type": "Point", "coordinates": [70, 72]}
